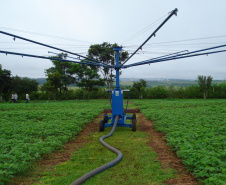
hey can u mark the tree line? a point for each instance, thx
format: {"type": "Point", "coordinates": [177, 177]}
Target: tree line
{"type": "Point", "coordinates": [138, 92]}
{"type": "Point", "coordinates": [9, 85]}
{"type": "Point", "coordinates": [204, 90]}
{"type": "Point", "coordinates": [88, 78]}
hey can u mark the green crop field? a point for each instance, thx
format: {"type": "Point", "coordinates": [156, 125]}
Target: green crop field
{"type": "Point", "coordinates": [28, 131]}
{"type": "Point", "coordinates": [196, 130]}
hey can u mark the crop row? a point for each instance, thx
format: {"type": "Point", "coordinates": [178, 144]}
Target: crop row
{"type": "Point", "coordinates": [196, 130]}
{"type": "Point", "coordinates": [28, 131]}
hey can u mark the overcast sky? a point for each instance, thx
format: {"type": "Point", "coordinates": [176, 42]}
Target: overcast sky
{"type": "Point", "coordinates": [76, 24]}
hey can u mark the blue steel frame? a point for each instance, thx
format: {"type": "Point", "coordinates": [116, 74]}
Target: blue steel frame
{"type": "Point", "coordinates": [117, 100]}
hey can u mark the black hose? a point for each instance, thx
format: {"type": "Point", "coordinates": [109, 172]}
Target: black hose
{"type": "Point", "coordinates": [106, 166]}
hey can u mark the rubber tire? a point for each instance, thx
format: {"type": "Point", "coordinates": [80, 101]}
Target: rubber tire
{"type": "Point", "coordinates": [101, 126]}
{"type": "Point", "coordinates": [105, 118]}
{"type": "Point", "coordinates": [134, 116]}
{"type": "Point", "coordinates": [134, 122]}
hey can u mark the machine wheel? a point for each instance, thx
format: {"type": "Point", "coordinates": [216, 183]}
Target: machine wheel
{"type": "Point", "coordinates": [105, 118]}
{"type": "Point", "coordinates": [101, 125]}
{"type": "Point", "coordinates": [134, 116]}
{"type": "Point", "coordinates": [134, 122]}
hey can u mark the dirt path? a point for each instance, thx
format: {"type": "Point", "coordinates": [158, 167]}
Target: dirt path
{"type": "Point", "coordinates": [166, 156]}
{"type": "Point", "coordinates": [157, 142]}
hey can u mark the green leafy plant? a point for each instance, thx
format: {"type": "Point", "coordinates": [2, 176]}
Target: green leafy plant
{"type": "Point", "coordinates": [29, 131]}
{"type": "Point", "coordinates": [195, 129]}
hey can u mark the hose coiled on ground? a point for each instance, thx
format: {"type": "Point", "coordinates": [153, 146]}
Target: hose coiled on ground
{"type": "Point", "coordinates": [106, 166]}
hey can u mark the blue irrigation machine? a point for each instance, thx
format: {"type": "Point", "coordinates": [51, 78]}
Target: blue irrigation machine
{"type": "Point", "coordinates": [117, 103]}
{"type": "Point", "coordinates": [117, 93]}
{"type": "Point", "coordinates": [119, 115]}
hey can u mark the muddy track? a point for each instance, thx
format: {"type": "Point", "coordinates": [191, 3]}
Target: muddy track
{"type": "Point", "coordinates": [157, 141]}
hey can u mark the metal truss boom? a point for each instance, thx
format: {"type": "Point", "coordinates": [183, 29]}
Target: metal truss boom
{"type": "Point", "coordinates": [157, 58]}
{"type": "Point", "coordinates": [172, 58]}
{"type": "Point", "coordinates": [52, 47]}
{"type": "Point", "coordinates": [177, 56]}
{"type": "Point", "coordinates": [174, 12]}
{"type": "Point", "coordinates": [58, 59]}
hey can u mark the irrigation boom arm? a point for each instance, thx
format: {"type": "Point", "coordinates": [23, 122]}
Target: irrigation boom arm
{"type": "Point", "coordinates": [178, 56]}
{"type": "Point", "coordinates": [52, 47]}
{"type": "Point", "coordinates": [174, 12]}
{"type": "Point", "coordinates": [58, 59]}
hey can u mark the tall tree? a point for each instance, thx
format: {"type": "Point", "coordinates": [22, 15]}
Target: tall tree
{"type": "Point", "coordinates": [23, 86]}
{"type": "Point", "coordinates": [205, 84]}
{"type": "Point", "coordinates": [65, 77]}
{"type": "Point", "coordinates": [89, 78]}
{"type": "Point", "coordinates": [48, 88]}
{"type": "Point", "coordinates": [55, 80]}
{"type": "Point", "coordinates": [140, 87]}
{"type": "Point", "coordinates": [5, 81]}
{"type": "Point", "coordinates": [104, 53]}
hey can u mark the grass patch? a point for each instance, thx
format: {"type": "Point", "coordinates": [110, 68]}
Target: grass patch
{"type": "Point", "coordinates": [138, 166]}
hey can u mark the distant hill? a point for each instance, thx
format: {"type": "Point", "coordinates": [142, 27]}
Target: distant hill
{"type": "Point", "coordinates": [126, 82]}
{"type": "Point", "coordinates": [40, 81]}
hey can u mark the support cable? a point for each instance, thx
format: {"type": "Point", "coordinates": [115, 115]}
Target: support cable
{"type": "Point", "coordinates": [176, 41]}
{"type": "Point", "coordinates": [143, 30]}
{"type": "Point", "coordinates": [202, 38]}
{"type": "Point", "coordinates": [106, 166]}
{"type": "Point", "coordinates": [45, 35]}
